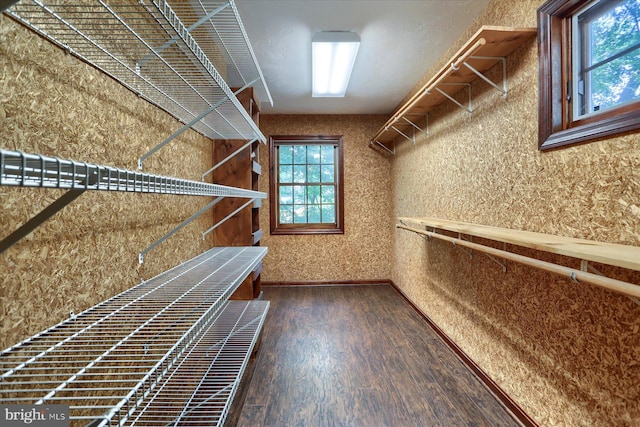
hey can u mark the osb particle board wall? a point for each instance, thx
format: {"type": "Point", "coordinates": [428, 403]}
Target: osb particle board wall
{"type": "Point", "coordinates": [567, 353]}
{"type": "Point", "coordinates": [53, 104]}
{"type": "Point", "coordinates": [363, 252]}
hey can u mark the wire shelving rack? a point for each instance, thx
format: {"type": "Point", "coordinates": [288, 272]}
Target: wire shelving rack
{"type": "Point", "coordinates": [181, 56]}
{"type": "Point", "coordinates": [35, 170]}
{"type": "Point", "coordinates": [168, 351]}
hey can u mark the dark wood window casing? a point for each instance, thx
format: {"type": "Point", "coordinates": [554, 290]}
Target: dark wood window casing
{"type": "Point", "coordinates": [556, 126]}
{"type": "Point", "coordinates": [276, 227]}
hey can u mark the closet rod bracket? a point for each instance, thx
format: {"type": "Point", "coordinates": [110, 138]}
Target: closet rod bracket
{"type": "Point", "coordinates": [463, 249]}
{"type": "Point", "coordinates": [586, 267]}
{"type": "Point", "coordinates": [424, 130]}
{"type": "Point", "coordinates": [376, 142]}
{"type": "Point", "coordinates": [468, 108]}
{"type": "Point", "coordinates": [398, 131]}
{"type": "Point", "coordinates": [502, 89]}
{"type": "Point", "coordinates": [502, 264]}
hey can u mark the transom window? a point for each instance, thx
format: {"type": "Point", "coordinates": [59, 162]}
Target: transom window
{"type": "Point", "coordinates": [589, 70]}
{"type": "Point", "coordinates": [306, 184]}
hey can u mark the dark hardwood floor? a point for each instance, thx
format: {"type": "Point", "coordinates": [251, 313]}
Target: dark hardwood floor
{"type": "Point", "coordinates": [359, 356]}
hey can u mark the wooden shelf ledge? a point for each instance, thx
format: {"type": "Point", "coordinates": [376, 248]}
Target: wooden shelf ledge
{"type": "Point", "coordinates": [485, 49]}
{"type": "Point", "coordinates": [624, 256]}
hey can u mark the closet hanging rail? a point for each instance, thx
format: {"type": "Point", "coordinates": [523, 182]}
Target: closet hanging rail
{"type": "Point", "coordinates": [488, 47]}
{"type": "Point", "coordinates": [587, 251]}
{"type": "Point", "coordinates": [166, 56]}
{"type": "Point", "coordinates": [170, 349]}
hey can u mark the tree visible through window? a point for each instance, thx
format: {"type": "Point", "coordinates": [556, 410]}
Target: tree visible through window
{"type": "Point", "coordinates": [589, 76]}
{"type": "Point", "coordinates": [306, 184]}
{"type": "Point", "coordinates": [607, 54]}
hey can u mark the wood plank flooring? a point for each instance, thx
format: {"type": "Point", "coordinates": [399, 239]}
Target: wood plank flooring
{"type": "Point", "coordinates": [359, 356]}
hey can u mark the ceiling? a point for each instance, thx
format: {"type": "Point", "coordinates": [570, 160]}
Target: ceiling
{"type": "Point", "coordinates": [400, 41]}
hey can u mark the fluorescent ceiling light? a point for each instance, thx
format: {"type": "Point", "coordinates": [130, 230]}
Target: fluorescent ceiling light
{"type": "Point", "coordinates": [334, 53]}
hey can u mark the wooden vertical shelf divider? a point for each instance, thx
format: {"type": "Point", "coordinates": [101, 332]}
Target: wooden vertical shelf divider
{"type": "Point", "coordinates": [242, 171]}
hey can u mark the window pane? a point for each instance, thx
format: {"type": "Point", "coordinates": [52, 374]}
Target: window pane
{"type": "Point", "coordinates": [328, 213]}
{"type": "Point", "coordinates": [328, 194]}
{"type": "Point", "coordinates": [286, 214]}
{"type": "Point", "coordinates": [313, 212]}
{"type": "Point", "coordinates": [286, 173]}
{"type": "Point", "coordinates": [306, 172]}
{"type": "Point", "coordinates": [313, 173]}
{"type": "Point", "coordinates": [614, 31]}
{"type": "Point", "coordinates": [616, 82]}
{"type": "Point", "coordinates": [313, 194]}
{"type": "Point", "coordinates": [567, 30]}
{"type": "Point", "coordinates": [286, 154]}
{"type": "Point", "coordinates": [299, 214]}
{"type": "Point", "coordinates": [299, 154]}
{"type": "Point", "coordinates": [327, 154]}
{"type": "Point", "coordinates": [327, 173]}
{"type": "Point", "coordinates": [286, 194]}
{"type": "Point", "coordinates": [607, 68]}
{"type": "Point", "coordinates": [299, 194]}
{"type": "Point", "coordinates": [300, 173]}
{"type": "Point", "coordinates": [313, 154]}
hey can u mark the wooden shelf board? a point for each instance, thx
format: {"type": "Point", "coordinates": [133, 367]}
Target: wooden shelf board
{"type": "Point", "coordinates": [499, 42]}
{"type": "Point", "coordinates": [624, 256]}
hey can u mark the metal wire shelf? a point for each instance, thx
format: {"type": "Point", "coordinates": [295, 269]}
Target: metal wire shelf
{"type": "Point", "coordinates": [120, 361]}
{"type": "Point", "coordinates": [200, 389]}
{"type": "Point", "coordinates": [35, 170]}
{"type": "Point", "coordinates": [164, 55]}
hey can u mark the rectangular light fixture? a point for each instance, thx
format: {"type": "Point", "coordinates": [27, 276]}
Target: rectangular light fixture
{"type": "Point", "coordinates": [333, 55]}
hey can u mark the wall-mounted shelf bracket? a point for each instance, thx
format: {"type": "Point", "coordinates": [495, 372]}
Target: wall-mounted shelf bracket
{"type": "Point", "coordinates": [375, 143]}
{"type": "Point", "coordinates": [585, 266]}
{"type": "Point", "coordinates": [501, 262]}
{"type": "Point", "coordinates": [502, 89]}
{"type": "Point", "coordinates": [179, 227]}
{"type": "Point", "coordinates": [426, 237]}
{"type": "Point", "coordinates": [223, 220]}
{"type": "Point", "coordinates": [412, 138]}
{"type": "Point", "coordinates": [468, 108]}
{"type": "Point", "coordinates": [466, 251]}
{"type": "Point", "coordinates": [26, 228]}
{"type": "Point", "coordinates": [425, 131]}
{"type": "Point", "coordinates": [55, 207]}
{"type": "Point", "coordinates": [188, 126]}
{"type": "Point", "coordinates": [229, 157]}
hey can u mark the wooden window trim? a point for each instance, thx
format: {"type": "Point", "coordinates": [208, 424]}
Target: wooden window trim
{"type": "Point", "coordinates": [287, 229]}
{"type": "Point", "coordinates": [555, 128]}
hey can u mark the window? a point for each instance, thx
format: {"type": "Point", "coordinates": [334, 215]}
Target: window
{"type": "Point", "coordinates": [306, 185]}
{"type": "Point", "coordinates": [589, 59]}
